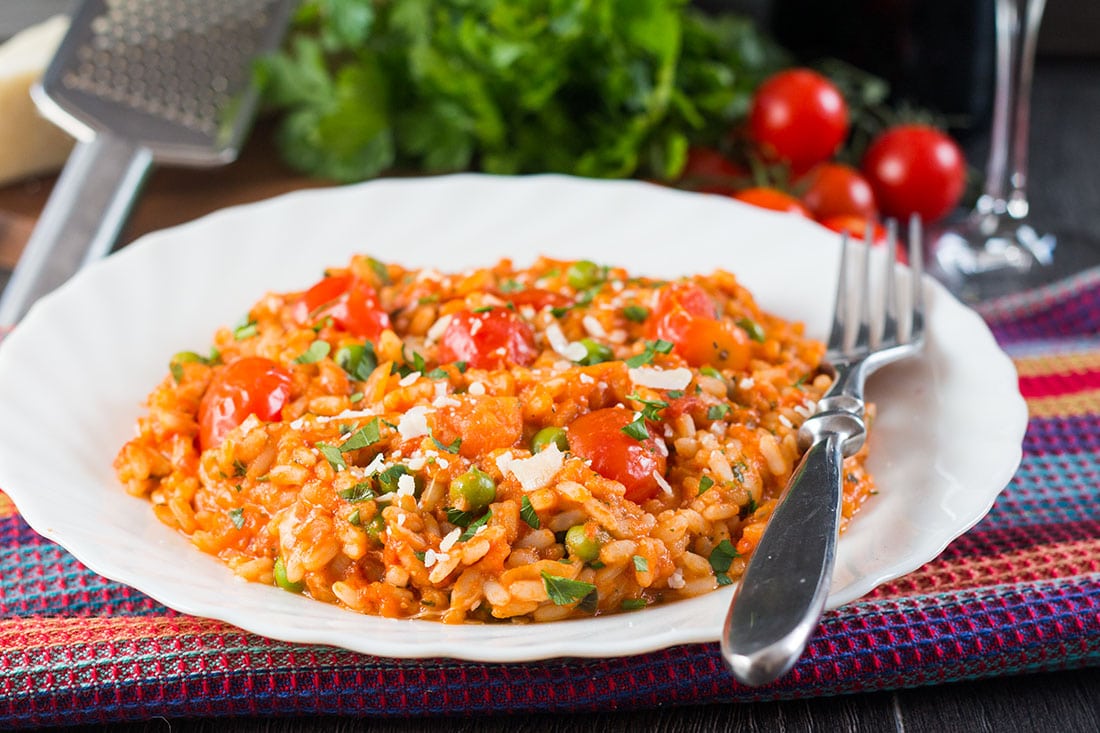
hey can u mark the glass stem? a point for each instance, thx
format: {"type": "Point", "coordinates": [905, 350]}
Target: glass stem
{"type": "Point", "coordinates": [1006, 174]}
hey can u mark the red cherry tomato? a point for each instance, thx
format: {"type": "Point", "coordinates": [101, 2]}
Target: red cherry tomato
{"type": "Point", "coordinates": [350, 302]}
{"type": "Point", "coordinates": [856, 226]}
{"type": "Point", "coordinates": [686, 317]}
{"type": "Point", "coordinates": [537, 298]}
{"type": "Point", "coordinates": [598, 437]}
{"type": "Point", "coordinates": [709, 171]}
{"type": "Point", "coordinates": [838, 190]}
{"type": "Point", "coordinates": [772, 198]}
{"type": "Point", "coordinates": [915, 169]}
{"type": "Point", "coordinates": [249, 386]}
{"type": "Point", "coordinates": [490, 339]}
{"type": "Point", "coordinates": [798, 116]}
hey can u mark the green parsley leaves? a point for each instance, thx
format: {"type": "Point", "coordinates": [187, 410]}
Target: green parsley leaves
{"type": "Point", "coordinates": [721, 557]}
{"type": "Point", "coordinates": [365, 436]}
{"type": "Point", "coordinates": [652, 348]}
{"type": "Point", "coordinates": [563, 591]}
{"type": "Point", "coordinates": [317, 350]}
{"type": "Point", "coordinates": [636, 429]}
{"type": "Point", "coordinates": [527, 513]}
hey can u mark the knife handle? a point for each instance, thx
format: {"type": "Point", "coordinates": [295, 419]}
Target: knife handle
{"type": "Point", "coordinates": [81, 221]}
{"type": "Point", "coordinates": [782, 594]}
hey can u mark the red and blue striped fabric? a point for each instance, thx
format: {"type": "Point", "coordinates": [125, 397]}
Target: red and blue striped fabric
{"type": "Point", "coordinates": [1020, 592]}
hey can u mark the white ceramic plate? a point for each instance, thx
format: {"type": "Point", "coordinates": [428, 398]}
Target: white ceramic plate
{"type": "Point", "coordinates": [73, 376]}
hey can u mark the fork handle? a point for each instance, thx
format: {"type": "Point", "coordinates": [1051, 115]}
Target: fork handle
{"type": "Point", "coordinates": [782, 593]}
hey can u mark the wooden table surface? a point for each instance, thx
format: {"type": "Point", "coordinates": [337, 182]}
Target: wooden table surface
{"type": "Point", "coordinates": [1065, 195]}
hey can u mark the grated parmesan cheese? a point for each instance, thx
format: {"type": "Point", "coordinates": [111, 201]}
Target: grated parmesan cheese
{"type": "Point", "coordinates": [436, 330]}
{"type": "Point", "coordinates": [449, 541]}
{"type": "Point", "coordinates": [409, 379]}
{"type": "Point", "coordinates": [536, 472]}
{"type": "Point", "coordinates": [676, 580]}
{"type": "Point", "coordinates": [414, 423]}
{"type": "Point", "coordinates": [406, 485]}
{"type": "Point", "coordinates": [666, 487]}
{"type": "Point", "coordinates": [594, 327]}
{"type": "Point", "coordinates": [656, 378]}
{"type": "Point", "coordinates": [476, 388]}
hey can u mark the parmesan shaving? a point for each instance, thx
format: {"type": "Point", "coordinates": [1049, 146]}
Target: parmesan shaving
{"type": "Point", "coordinates": [656, 378]}
{"type": "Point", "coordinates": [414, 423]}
{"type": "Point", "coordinates": [436, 330]}
{"type": "Point", "coordinates": [409, 379]}
{"type": "Point", "coordinates": [536, 472]}
{"type": "Point", "coordinates": [449, 541]}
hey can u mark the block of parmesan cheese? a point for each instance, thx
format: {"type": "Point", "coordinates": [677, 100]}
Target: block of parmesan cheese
{"type": "Point", "coordinates": [29, 144]}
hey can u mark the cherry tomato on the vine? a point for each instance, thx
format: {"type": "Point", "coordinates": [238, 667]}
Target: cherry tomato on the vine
{"type": "Point", "coordinates": [598, 437]}
{"type": "Point", "coordinates": [350, 302]}
{"type": "Point", "coordinates": [248, 386]}
{"type": "Point", "coordinates": [834, 189]}
{"type": "Point", "coordinates": [488, 339]}
{"type": "Point", "coordinates": [798, 116]}
{"type": "Point", "coordinates": [709, 171]}
{"type": "Point", "coordinates": [772, 198]}
{"type": "Point", "coordinates": [915, 169]}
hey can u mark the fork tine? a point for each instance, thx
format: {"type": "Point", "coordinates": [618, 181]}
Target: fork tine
{"type": "Point", "coordinates": [916, 270]}
{"type": "Point", "coordinates": [840, 303]}
{"type": "Point", "coordinates": [890, 288]}
{"type": "Point", "coordinates": [868, 336]}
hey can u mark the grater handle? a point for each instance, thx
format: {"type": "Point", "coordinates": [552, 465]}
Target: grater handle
{"type": "Point", "coordinates": [81, 221]}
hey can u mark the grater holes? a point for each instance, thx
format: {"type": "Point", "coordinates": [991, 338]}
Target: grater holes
{"type": "Point", "coordinates": [178, 61]}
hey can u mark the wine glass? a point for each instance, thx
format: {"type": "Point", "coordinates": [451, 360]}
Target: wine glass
{"type": "Point", "coordinates": [995, 250]}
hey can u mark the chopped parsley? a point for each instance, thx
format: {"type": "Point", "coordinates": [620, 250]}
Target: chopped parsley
{"type": "Point", "coordinates": [239, 468]}
{"type": "Point", "coordinates": [362, 491]}
{"type": "Point", "coordinates": [641, 564]}
{"type": "Point", "coordinates": [380, 270]}
{"type": "Point", "coordinates": [563, 591]}
{"type": "Point", "coordinates": [459, 518]}
{"type": "Point", "coordinates": [388, 479]}
{"type": "Point", "coordinates": [750, 508]}
{"type": "Point", "coordinates": [367, 435]}
{"type": "Point", "coordinates": [753, 329]}
{"type": "Point", "coordinates": [323, 323]}
{"type": "Point", "coordinates": [474, 526]}
{"type": "Point", "coordinates": [511, 286]}
{"type": "Point", "coordinates": [437, 373]}
{"type": "Point", "coordinates": [711, 372]}
{"type": "Point", "coordinates": [317, 350]}
{"type": "Point", "coordinates": [705, 483]}
{"type": "Point", "coordinates": [358, 360]}
{"type": "Point", "coordinates": [527, 513]}
{"type": "Point", "coordinates": [451, 447]}
{"type": "Point", "coordinates": [421, 556]}
{"type": "Point", "coordinates": [652, 348]}
{"type": "Point", "coordinates": [636, 313]}
{"type": "Point", "coordinates": [632, 604]}
{"type": "Point", "coordinates": [177, 371]}
{"type": "Point", "coordinates": [483, 309]}
{"type": "Point", "coordinates": [675, 394]}
{"type": "Point", "coordinates": [650, 407]}
{"type": "Point", "coordinates": [461, 366]}
{"type": "Point", "coordinates": [355, 396]}
{"type": "Point", "coordinates": [590, 603]}
{"type": "Point", "coordinates": [720, 558]}
{"type": "Point", "coordinates": [333, 455]}
{"type": "Point", "coordinates": [636, 429]}
{"type": "Point", "coordinates": [236, 516]}
{"type": "Point", "coordinates": [560, 311]}
{"type": "Point", "coordinates": [717, 412]}
{"type": "Point", "coordinates": [354, 519]}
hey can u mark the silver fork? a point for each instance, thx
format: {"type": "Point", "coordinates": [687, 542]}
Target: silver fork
{"type": "Point", "coordinates": [782, 594]}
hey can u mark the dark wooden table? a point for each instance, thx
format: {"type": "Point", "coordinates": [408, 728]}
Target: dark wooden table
{"type": "Point", "coordinates": [1065, 197]}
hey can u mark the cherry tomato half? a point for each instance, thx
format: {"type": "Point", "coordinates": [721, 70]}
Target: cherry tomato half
{"type": "Point", "coordinates": [487, 340]}
{"type": "Point", "coordinates": [350, 302]}
{"type": "Point", "coordinates": [686, 316]}
{"type": "Point", "coordinates": [249, 386]}
{"type": "Point", "coordinates": [798, 116]}
{"type": "Point", "coordinates": [772, 198]}
{"type": "Point", "coordinates": [838, 190]}
{"type": "Point", "coordinates": [598, 437]}
{"type": "Point", "coordinates": [915, 169]}
{"type": "Point", "coordinates": [537, 298]}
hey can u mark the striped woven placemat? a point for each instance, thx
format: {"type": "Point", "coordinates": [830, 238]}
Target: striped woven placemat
{"type": "Point", "coordinates": [1020, 592]}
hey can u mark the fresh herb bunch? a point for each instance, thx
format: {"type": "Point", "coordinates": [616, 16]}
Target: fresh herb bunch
{"type": "Point", "coordinates": [599, 88]}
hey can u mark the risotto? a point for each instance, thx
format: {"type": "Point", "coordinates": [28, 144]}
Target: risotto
{"type": "Point", "coordinates": [524, 444]}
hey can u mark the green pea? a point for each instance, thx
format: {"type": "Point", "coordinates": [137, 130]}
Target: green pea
{"type": "Point", "coordinates": [595, 352]}
{"type": "Point", "coordinates": [473, 490]}
{"type": "Point", "coordinates": [580, 545]}
{"type": "Point", "coordinates": [584, 274]}
{"type": "Point", "coordinates": [281, 579]}
{"type": "Point", "coordinates": [375, 527]}
{"type": "Point", "coordinates": [549, 435]}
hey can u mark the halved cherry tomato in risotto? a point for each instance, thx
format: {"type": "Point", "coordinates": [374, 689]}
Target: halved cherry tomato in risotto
{"type": "Point", "coordinates": [598, 437]}
{"type": "Point", "coordinates": [489, 339]}
{"type": "Point", "coordinates": [685, 316]}
{"type": "Point", "coordinates": [350, 302]}
{"type": "Point", "coordinates": [249, 386]}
